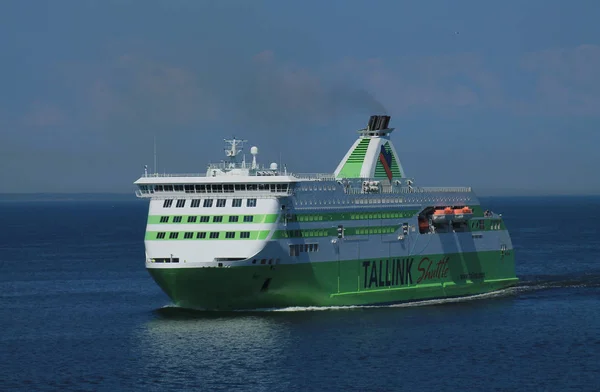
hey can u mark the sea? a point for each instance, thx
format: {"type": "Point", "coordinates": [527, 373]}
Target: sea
{"type": "Point", "coordinates": [78, 312]}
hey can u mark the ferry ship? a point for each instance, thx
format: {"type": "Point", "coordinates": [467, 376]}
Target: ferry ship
{"type": "Point", "coordinates": [248, 236]}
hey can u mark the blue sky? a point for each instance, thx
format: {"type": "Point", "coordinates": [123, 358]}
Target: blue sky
{"type": "Point", "coordinates": [501, 96]}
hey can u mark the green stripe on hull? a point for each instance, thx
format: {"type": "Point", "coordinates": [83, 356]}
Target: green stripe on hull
{"type": "Point", "coordinates": [209, 219]}
{"type": "Point", "coordinates": [348, 282]}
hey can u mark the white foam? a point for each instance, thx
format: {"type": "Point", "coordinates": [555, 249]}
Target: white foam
{"type": "Point", "coordinates": [429, 302]}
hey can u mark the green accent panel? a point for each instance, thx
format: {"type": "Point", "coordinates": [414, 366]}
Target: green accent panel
{"type": "Point", "coordinates": [477, 211]}
{"type": "Point", "coordinates": [353, 164]}
{"type": "Point", "coordinates": [254, 235]}
{"type": "Point", "coordinates": [337, 283]}
{"type": "Point", "coordinates": [258, 218]}
{"type": "Point", "coordinates": [394, 167]}
{"type": "Point", "coordinates": [343, 216]}
{"type": "Point", "coordinates": [269, 218]}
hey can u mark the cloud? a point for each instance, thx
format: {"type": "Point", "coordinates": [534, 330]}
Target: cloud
{"type": "Point", "coordinates": [543, 83]}
{"type": "Point", "coordinates": [131, 89]}
{"type": "Point", "coordinates": [43, 114]}
{"type": "Point", "coordinates": [567, 80]}
{"type": "Point", "coordinates": [135, 91]}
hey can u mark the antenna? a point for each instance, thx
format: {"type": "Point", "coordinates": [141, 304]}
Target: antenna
{"type": "Point", "coordinates": [155, 167]}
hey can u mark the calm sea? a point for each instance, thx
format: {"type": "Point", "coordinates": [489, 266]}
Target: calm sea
{"type": "Point", "coordinates": [78, 312]}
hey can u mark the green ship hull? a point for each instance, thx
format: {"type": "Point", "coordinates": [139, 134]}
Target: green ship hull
{"type": "Point", "coordinates": [246, 236]}
{"type": "Point", "coordinates": [338, 283]}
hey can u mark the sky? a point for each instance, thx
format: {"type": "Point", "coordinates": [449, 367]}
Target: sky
{"type": "Point", "coordinates": [501, 96]}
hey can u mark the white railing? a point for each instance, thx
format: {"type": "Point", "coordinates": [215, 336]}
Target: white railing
{"type": "Point", "coordinates": [445, 189]}
{"type": "Point", "coordinates": [391, 189]}
{"type": "Point", "coordinates": [149, 175]}
{"type": "Point", "coordinates": [314, 176]}
{"type": "Point", "coordinates": [236, 194]}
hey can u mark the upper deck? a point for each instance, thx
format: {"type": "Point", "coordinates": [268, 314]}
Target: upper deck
{"type": "Point", "coordinates": [370, 167]}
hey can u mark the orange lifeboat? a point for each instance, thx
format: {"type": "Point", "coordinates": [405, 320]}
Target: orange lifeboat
{"type": "Point", "coordinates": [462, 214]}
{"type": "Point", "coordinates": [441, 215]}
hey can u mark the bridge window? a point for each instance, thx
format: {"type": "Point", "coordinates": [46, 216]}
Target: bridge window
{"type": "Point", "coordinates": [208, 202]}
{"type": "Point", "coordinates": [178, 188]}
{"type": "Point", "coordinates": [245, 234]}
{"type": "Point", "coordinates": [168, 188]}
{"type": "Point", "coordinates": [188, 235]}
{"type": "Point", "coordinates": [180, 203]}
{"type": "Point", "coordinates": [158, 188]}
{"type": "Point", "coordinates": [195, 203]}
{"type": "Point", "coordinates": [240, 187]}
{"type": "Point", "coordinates": [248, 218]}
{"type": "Point", "coordinates": [251, 203]}
{"type": "Point", "coordinates": [176, 219]}
{"type": "Point", "coordinates": [192, 219]}
{"type": "Point", "coordinates": [201, 234]}
{"type": "Point", "coordinates": [217, 188]}
{"type": "Point", "coordinates": [214, 234]}
{"type": "Point", "coordinates": [167, 203]}
{"type": "Point", "coordinates": [252, 187]}
{"type": "Point", "coordinates": [160, 235]}
{"type": "Point", "coordinates": [164, 219]}
{"type": "Point", "coordinates": [174, 235]}
{"type": "Point", "coordinates": [200, 188]}
{"type": "Point", "coordinates": [188, 188]}
{"type": "Point", "coordinates": [217, 219]}
{"type": "Point", "coordinates": [204, 219]}
{"type": "Point", "coordinates": [230, 234]}
{"type": "Point", "coordinates": [236, 203]}
{"type": "Point", "coordinates": [221, 202]}
{"type": "Point", "coordinates": [234, 218]}
{"type": "Point", "coordinates": [228, 188]}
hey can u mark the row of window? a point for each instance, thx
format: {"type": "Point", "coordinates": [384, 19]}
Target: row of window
{"type": "Point", "coordinates": [266, 261]}
{"type": "Point", "coordinates": [330, 232]}
{"type": "Point", "coordinates": [350, 216]}
{"type": "Point", "coordinates": [165, 260]}
{"type": "Point", "coordinates": [214, 188]}
{"type": "Point", "coordinates": [206, 219]}
{"type": "Point", "coordinates": [201, 235]}
{"type": "Point", "coordinates": [296, 249]}
{"type": "Point", "coordinates": [208, 203]}
{"type": "Point", "coordinates": [480, 224]}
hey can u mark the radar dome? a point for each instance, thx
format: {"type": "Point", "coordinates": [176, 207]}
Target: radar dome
{"type": "Point", "coordinates": [254, 150]}
{"type": "Point", "coordinates": [273, 166]}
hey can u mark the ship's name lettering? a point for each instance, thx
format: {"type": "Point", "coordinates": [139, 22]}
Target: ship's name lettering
{"type": "Point", "coordinates": [387, 273]}
{"type": "Point", "coordinates": [430, 270]}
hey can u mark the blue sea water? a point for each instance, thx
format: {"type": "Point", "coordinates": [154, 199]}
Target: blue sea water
{"type": "Point", "coordinates": [78, 312]}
